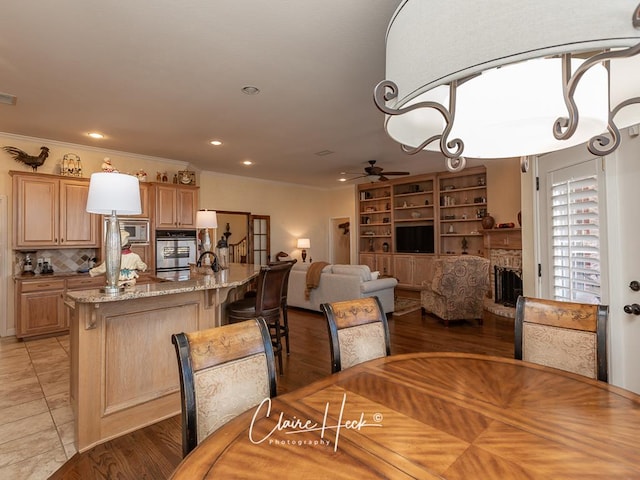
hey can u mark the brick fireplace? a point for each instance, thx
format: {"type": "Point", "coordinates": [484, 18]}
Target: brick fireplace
{"type": "Point", "coordinates": [503, 246]}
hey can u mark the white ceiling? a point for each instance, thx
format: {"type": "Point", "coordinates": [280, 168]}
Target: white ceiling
{"type": "Point", "coordinates": [164, 77]}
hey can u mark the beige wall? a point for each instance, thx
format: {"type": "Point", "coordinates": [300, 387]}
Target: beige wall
{"type": "Point", "coordinates": [503, 189]}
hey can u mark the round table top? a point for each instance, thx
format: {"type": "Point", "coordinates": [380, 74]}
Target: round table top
{"type": "Point", "coordinates": [431, 415]}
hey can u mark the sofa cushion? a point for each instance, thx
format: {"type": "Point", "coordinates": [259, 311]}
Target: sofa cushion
{"type": "Point", "coordinates": [362, 270]}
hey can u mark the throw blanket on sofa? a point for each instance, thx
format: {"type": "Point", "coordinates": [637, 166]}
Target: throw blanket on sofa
{"type": "Point", "coordinates": [313, 277]}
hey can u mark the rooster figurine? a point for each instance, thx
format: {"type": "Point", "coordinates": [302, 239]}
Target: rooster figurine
{"type": "Point", "coordinates": [23, 157]}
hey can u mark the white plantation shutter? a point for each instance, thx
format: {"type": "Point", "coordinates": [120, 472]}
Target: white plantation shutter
{"type": "Point", "coordinates": [575, 237]}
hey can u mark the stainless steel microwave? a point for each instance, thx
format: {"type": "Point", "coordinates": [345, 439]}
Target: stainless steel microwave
{"type": "Point", "coordinates": [137, 228]}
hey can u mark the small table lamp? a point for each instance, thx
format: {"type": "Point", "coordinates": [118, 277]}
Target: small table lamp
{"type": "Point", "coordinates": [110, 194]}
{"type": "Point", "coordinates": [206, 219]}
{"type": "Point", "coordinates": [304, 243]}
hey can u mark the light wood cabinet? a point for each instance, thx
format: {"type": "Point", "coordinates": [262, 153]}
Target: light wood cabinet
{"type": "Point", "coordinates": [175, 206]}
{"type": "Point", "coordinates": [40, 307]}
{"type": "Point", "coordinates": [378, 262]}
{"type": "Point", "coordinates": [49, 211]}
{"type": "Point", "coordinates": [463, 204]}
{"type": "Point", "coordinates": [413, 271]}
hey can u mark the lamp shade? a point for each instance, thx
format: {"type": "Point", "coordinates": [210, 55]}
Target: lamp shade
{"type": "Point", "coordinates": [113, 192]}
{"type": "Point", "coordinates": [304, 243]}
{"type": "Point", "coordinates": [206, 219]}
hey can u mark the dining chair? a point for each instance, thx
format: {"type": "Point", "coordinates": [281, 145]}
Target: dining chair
{"type": "Point", "coordinates": [267, 303]}
{"type": "Point", "coordinates": [358, 331]}
{"type": "Point", "coordinates": [224, 371]}
{"type": "Point", "coordinates": [565, 335]}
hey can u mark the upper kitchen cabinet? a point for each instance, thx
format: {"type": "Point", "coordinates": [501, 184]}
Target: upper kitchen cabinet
{"type": "Point", "coordinates": [49, 211]}
{"type": "Point", "coordinates": [175, 206]}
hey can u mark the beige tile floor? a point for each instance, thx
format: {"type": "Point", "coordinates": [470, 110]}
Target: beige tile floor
{"type": "Point", "coordinates": [36, 421]}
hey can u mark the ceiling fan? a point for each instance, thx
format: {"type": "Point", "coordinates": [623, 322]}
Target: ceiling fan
{"type": "Point", "coordinates": [372, 171]}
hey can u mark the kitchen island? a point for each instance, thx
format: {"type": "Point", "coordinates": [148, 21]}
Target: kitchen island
{"type": "Point", "coordinates": [124, 372]}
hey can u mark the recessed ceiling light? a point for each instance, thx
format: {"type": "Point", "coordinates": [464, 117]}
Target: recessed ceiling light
{"type": "Point", "coordinates": [95, 135]}
{"type": "Point", "coordinates": [247, 162]}
{"type": "Point", "coordinates": [342, 179]}
{"type": "Point", "coordinates": [215, 142]}
{"type": "Point", "coordinates": [250, 90]}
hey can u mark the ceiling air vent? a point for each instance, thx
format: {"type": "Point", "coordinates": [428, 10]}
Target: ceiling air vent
{"type": "Point", "coordinates": [8, 98]}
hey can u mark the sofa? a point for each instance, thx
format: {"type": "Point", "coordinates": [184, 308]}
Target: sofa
{"type": "Point", "coordinates": [337, 283]}
{"type": "Point", "coordinates": [460, 284]}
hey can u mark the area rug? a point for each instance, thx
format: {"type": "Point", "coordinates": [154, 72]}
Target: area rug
{"type": "Point", "coordinates": [405, 305]}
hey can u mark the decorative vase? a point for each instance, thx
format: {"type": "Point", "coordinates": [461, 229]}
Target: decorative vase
{"type": "Point", "coordinates": [519, 219]}
{"type": "Point", "coordinates": [488, 222]}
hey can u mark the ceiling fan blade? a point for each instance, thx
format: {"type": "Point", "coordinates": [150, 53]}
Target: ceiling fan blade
{"type": "Point", "coordinates": [382, 178]}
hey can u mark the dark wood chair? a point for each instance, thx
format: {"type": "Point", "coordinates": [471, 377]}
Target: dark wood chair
{"type": "Point", "coordinates": [564, 335]}
{"type": "Point", "coordinates": [223, 371]}
{"type": "Point", "coordinates": [358, 331]}
{"type": "Point", "coordinates": [266, 303]}
{"type": "Point", "coordinates": [284, 326]}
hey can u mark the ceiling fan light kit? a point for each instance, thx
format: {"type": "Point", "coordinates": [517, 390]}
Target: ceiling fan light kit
{"type": "Point", "coordinates": [373, 171]}
{"type": "Point", "coordinates": [525, 78]}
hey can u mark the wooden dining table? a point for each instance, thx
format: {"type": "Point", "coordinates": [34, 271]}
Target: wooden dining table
{"type": "Point", "coordinates": [431, 415]}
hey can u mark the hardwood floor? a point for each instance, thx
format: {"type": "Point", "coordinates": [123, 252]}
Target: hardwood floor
{"type": "Point", "coordinates": [154, 452]}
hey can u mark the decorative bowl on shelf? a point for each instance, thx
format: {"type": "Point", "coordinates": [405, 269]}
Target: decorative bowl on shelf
{"type": "Point", "coordinates": [416, 214]}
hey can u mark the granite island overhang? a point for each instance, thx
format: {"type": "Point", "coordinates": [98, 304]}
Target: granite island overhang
{"type": "Point", "coordinates": [124, 372]}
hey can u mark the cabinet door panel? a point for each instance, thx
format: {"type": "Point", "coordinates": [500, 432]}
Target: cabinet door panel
{"type": "Point", "coordinates": [36, 212]}
{"type": "Point", "coordinates": [403, 269]}
{"type": "Point", "coordinates": [41, 313]}
{"type": "Point", "coordinates": [186, 207]}
{"type": "Point", "coordinates": [166, 207]}
{"type": "Point", "coordinates": [77, 227]}
{"type": "Point", "coordinates": [422, 271]}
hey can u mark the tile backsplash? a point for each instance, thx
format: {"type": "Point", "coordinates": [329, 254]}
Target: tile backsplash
{"type": "Point", "coordinates": [63, 261]}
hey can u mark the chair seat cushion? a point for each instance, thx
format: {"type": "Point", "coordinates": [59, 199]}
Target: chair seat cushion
{"type": "Point", "coordinates": [243, 308]}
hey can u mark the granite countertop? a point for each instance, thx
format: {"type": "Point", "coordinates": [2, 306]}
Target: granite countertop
{"type": "Point", "coordinates": [235, 275]}
{"type": "Point", "coordinates": [39, 276]}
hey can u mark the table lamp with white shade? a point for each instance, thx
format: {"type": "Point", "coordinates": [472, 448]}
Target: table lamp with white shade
{"type": "Point", "coordinates": [304, 243]}
{"type": "Point", "coordinates": [111, 194]}
{"type": "Point", "coordinates": [206, 219]}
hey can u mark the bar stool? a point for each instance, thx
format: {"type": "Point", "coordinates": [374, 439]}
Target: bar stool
{"type": "Point", "coordinates": [267, 303]}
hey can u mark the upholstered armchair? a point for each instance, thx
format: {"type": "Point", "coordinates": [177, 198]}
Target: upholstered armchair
{"type": "Point", "coordinates": [459, 286]}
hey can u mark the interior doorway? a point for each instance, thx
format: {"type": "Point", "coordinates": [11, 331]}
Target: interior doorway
{"type": "Point", "coordinates": [340, 241]}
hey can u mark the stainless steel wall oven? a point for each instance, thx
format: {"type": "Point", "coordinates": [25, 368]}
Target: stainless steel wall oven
{"type": "Point", "coordinates": [175, 250]}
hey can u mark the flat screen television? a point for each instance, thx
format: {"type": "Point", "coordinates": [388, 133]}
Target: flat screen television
{"type": "Point", "coordinates": [414, 239]}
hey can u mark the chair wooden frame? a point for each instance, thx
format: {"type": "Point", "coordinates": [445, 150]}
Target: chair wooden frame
{"type": "Point", "coordinates": [567, 315]}
{"type": "Point", "coordinates": [338, 320]}
{"type": "Point", "coordinates": [252, 338]}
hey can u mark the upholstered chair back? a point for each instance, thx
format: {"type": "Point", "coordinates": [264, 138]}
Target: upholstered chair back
{"type": "Point", "coordinates": [223, 371]}
{"type": "Point", "coordinates": [565, 335]}
{"type": "Point", "coordinates": [358, 331]}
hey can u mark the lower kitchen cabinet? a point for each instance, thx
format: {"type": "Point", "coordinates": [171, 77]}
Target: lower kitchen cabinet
{"type": "Point", "coordinates": [40, 307]}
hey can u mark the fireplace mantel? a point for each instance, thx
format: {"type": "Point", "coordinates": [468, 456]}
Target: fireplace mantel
{"type": "Point", "coordinates": [502, 238]}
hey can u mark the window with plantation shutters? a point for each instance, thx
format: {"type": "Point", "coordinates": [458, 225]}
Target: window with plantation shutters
{"type": "Point", "coordinates": [575, 237]}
